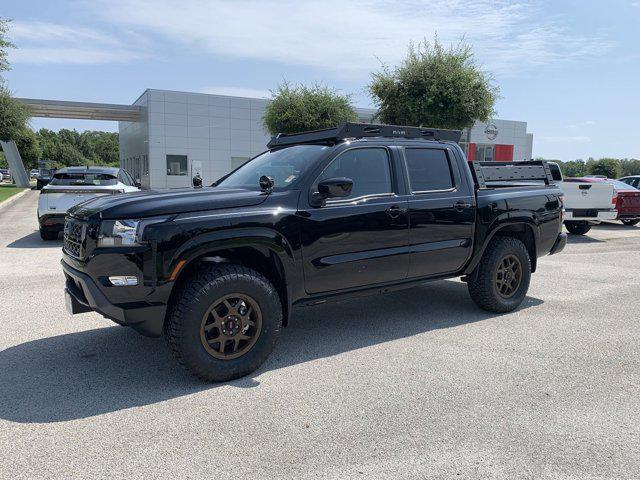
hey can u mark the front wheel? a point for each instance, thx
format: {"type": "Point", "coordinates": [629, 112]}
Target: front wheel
{"type": "Point", "coordinates": [224, 322]}
{"type": "Point", "coordinates": [631, 223]}
{"type": "Point", "coordinates": [502, 277]}
{"type": "Point", "coordinates": [577, 228]}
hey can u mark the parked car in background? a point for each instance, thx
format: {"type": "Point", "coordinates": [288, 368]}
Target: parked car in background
{"type": "Point", "coordinates": [585, 203]}
{"type": "Point", "coordinates": [73, 185]}
{"type": "Point", "coordinates": [46, 169]}
{"type": "Point", "coordinates": [5, 174]}
{"type": "Point", "coordinates": [627, 203]}
{"type": "Point", "coordinates": [33, 173]}
{"type": "Point", "coordinates": [633, 180]}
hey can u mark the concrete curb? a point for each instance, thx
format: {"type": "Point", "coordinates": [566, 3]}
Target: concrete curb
{"type": "Point", "coordinates": [13, 198]}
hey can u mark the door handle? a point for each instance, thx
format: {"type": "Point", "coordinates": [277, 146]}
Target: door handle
{"type": "Point", "coordinates": [460, 206]}
{"type": "Point", "coordinates": [394, 211]}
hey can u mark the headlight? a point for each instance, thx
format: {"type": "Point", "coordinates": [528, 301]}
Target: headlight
{"type": "Point", "coordinates": [124, 233]}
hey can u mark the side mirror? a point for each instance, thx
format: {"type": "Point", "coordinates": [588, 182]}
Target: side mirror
{"type": "Point", "coordinates": [332, 188]}
{"type": "Point", "coordinates": [266, 183]}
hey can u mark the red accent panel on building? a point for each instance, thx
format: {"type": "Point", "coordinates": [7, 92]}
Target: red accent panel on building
{"type": "Point", "coordinates": [503, 153]}
{"type": "Point", "coordinates": [472, 152]}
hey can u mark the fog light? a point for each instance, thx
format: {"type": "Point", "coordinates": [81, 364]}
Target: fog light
{"type": "Point", "coordinates": [123, 281]}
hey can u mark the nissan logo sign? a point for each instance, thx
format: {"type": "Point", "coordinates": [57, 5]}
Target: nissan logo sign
{"type": "Point", "coordinates": [491, 131]}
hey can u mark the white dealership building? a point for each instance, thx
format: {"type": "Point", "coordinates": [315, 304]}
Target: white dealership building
{"type": "Point", "coordinates": [178, 134]}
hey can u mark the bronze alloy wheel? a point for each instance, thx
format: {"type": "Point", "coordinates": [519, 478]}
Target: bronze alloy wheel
{"type": "Point", "coordinates": [508, 276]}
{"type": "Point", "coordinates": [231, 326]}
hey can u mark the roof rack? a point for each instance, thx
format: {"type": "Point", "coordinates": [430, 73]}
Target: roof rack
{"type": "Point", "coordinates": [361, 130]}
{"type": "Point", "coordinates": [486, 172]}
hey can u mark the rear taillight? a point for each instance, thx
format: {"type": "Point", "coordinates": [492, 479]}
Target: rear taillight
{"type": "Point", "coordinates": [561, 200]}
{"type": "Point", "coordinates": [614, 200]}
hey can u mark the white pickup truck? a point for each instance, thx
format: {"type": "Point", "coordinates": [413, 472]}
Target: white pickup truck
{"type": "Point", "coordinates": [585, 203]}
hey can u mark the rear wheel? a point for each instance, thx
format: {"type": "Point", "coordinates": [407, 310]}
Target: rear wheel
{"type": "Point", "coordinates": [631, 223]}
{"type": "Point", "coordinates": [48, 235]}
{"type": "Point", "coordinates": [224, 322]}
{"type": "Point", "coordinates": [577, 228]}
{"type": "Point", "coordinates": [502, 277]}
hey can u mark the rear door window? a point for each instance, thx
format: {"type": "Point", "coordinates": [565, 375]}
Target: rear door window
{"type": "Point", "coordinates": [429, 169]}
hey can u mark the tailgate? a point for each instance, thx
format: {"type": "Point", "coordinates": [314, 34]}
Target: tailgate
{"type": "Point", "coordinates": [587, 196]}
{"type": "Point", "coordinates": [61, 199]}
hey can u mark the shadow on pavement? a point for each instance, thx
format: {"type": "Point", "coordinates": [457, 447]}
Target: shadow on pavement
{"type": "Point", "coordinates": [93, 372]}
{"type": "Point", "coordinates": [33, 240]}
{"type": "Point", "coordinates": [582, 239]}
{"type": "Point", "coordinates": [615, 227]}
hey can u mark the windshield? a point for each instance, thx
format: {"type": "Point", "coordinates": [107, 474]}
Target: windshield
{"type": "Point", "coordinates": [99, 179]}
{"type": "Point", "coordinates": [284, 166]}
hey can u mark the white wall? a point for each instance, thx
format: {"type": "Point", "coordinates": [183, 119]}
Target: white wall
{"type": "Point", "coordinates": [210, 129]}
{"type": "Point", "coordinates": [510, 132]}
{"type": "Point", "coordinates": [134, 147]}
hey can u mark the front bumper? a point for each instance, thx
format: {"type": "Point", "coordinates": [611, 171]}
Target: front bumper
{"type": "Point", "coordinates": [83, 295]}
{"type": "Point", "coordinates": [559, 244]}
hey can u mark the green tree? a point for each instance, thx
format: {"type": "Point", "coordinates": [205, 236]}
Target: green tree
{"type": "Point", "coordinates": [630, 166]}
{"type": "Point", "coordinates": [29, 148]}
{"type": "Point", "coordinates": [13, 115]}
{"type": "Point", "coordinates": [300, 108]}
{"type": "Point", "coordinates": [609, 167]}
{"type": "Point", "coordinates": [5, 44]}
{"type": "Point", "coordinates": [435, 87]}
{"type": "Point", "coordinates": [70, 147]}
{"type": "Point", "coordinates": [574, 168]}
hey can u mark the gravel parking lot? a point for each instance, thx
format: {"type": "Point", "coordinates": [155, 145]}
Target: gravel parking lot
{"type": "Point", "coordinates": [415, 384]}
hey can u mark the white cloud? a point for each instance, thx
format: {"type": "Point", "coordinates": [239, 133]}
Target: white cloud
{"type": "Point", "coordinates": [565, 139]}
{"type": "Point", "coordinates": [581, 125]}
{"type": "Point", "coordinates": [349, 37]}
{"type": "Point", "coordinates": [236, 91]}
{"type": "Point", "coordinates": [43, 42]}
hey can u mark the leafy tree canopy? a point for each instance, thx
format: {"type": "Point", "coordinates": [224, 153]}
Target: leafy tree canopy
{"type": "Point", "coordinates": [299, 108]}
{"type": "Point", "coordinates": [609, 167]}
{"type": "Point", "coordinates": [13, 116]}
{"type": "Point", "coordinates": [70, 147]}
{"type": "Point", "coordinates": [5, 44]}
{"type": "Point", "coordinates": [435, 87]}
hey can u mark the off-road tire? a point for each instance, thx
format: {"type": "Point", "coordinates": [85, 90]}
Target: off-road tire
{"type": "Point", "coordinates": [482, 285]}
{"type": "Point", "coordinates": [577, 228]}
{"type": "Point", "coordinates": [631, 223]}
{"type": "Point", "coordinates": [48, 235]}
{"type": "Point", "coordinates": [191, 302]}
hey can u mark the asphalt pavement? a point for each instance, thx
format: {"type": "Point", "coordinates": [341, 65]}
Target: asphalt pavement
{"type": "Point", "coordinates": [415, 384]}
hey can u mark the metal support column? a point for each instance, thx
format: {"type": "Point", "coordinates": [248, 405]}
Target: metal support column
{"type": "Point", "coordinates": [16, 166]}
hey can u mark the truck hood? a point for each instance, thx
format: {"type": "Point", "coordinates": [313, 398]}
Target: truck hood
{"type": "Point", "coordinates": [167, 202]}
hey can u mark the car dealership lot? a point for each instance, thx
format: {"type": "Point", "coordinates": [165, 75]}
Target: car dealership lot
{"type": "Point", "coordinates": [413, 384]}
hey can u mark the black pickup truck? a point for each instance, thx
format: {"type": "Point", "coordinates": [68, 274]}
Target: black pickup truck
{"type": "Point", "coordinates": [320, 216]}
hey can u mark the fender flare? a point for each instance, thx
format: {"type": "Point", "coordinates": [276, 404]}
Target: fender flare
{"type": "Point", "coordinates": [499, 226]}
{"type": "Point", "coordinates": [268, 243]}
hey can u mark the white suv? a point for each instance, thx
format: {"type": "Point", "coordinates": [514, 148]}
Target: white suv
{"type": "Point", "coordinates": [73, 185]}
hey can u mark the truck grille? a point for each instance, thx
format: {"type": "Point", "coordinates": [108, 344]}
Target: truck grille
{"type": "Point", "coordinates": [74, 237]}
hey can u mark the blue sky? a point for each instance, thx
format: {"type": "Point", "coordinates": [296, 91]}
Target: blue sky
{"type": "Point", "coordinates": [571, 69]}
